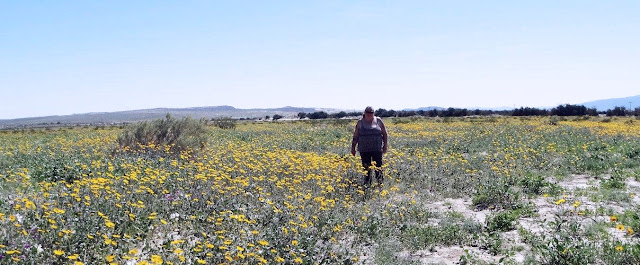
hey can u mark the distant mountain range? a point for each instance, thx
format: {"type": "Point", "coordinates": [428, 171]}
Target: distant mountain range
{"type": "Point", "coordinates": [120, 117]}
{"type": "Point", "coordinates": [425, 108]}
{"type": "Point", "coordinates": [605, 104]}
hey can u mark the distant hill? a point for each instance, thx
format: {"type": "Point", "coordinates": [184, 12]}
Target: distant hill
{"type": "Point", "coordinates": [605, 104]}
{"type": "Point", "coordinates": [468, 108]}
{"type": "Point", "coordinates": [425, 108]}
{"type": "Point", "coordinates": [119, 117]}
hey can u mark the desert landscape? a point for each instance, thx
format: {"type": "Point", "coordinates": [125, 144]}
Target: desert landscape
{"type": "Point", "coordinates": [469, 190]}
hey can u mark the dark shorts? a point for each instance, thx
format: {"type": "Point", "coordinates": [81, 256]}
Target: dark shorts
{"type": "Point", "coordinates": [368, 157]}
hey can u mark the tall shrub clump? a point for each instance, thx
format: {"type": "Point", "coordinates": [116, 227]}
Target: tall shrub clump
{"type": "Point", "coordinates": [168, 134]}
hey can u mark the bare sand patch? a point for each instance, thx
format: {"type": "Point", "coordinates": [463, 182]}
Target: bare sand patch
{"type": "Point", "coordinates": [462, 206]}
{"type": "Point", "coordinates": [579, 182]}
{"type": "Point", "coordinates": [447, 255]}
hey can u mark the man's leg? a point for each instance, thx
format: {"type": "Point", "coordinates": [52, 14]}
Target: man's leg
{"type": "Point", "coordinates": [377, 156]}
{"type": "Point", "coordinates": [366, 164]}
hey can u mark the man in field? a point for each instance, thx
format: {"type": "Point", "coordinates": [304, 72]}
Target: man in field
{"type": "Point", "coordinates": [370, 136]}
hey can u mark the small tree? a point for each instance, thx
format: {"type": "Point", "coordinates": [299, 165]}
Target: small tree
{"type": "Point", "coordinates": [569, 110]}
{"type": "Point", "coordinates": [318, 115]}
{"type": "Point", "coordinates": [617, 111]}
{"type": "Point", "coordinates": [277, 117]}
{"type": "Point", "coordinates": [339, 115]}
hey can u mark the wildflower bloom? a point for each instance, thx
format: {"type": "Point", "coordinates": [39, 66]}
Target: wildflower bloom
{"type": "Point", "coordinates": [619, 248]}
{"type": "Point", "coordinates": [11, 252]}
{"type": "Point", "coordinates": [156, 259]}
{"type": "Point", "coordinates": [613, 218]}
{"type": "Point", "coordinates": [58, 252]}
{"type": "Point", "coordinates": [620, 227]}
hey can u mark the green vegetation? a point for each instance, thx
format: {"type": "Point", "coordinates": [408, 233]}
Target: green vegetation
{"type": "Point", "coordinates": [506, 190]}
{"type": "Point", "coordinates": [175, 135]}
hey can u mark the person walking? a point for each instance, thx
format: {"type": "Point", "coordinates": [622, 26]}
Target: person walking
{"type": "Point", "coordinates": [370, 136]}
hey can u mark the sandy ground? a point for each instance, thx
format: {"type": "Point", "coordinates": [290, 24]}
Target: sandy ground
{"type": "Point", "coordinates": [546, 211]}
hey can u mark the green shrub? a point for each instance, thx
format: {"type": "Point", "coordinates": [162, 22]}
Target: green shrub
{"type": "Point", "coordinates": [616, 181]}
{"type": "Point", "coordinates": [497, 192]}
{"type": "Point", "coordinates": [169, 133]}
{"type": "Point", "coordinates": [534, 184]}
{"type": "Point", "coordinates": [502, 221]}
{"type": "Point", "coordinates": [225, 122]}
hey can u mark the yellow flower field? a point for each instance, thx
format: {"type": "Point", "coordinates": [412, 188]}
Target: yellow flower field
{"type": "Point", "coordinates": [290, 193]}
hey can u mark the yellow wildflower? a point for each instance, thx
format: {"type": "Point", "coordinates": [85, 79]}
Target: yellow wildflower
{"type": "Point", "coordinates": [156, 260]}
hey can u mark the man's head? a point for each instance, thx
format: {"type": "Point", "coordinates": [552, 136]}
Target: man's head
{"type": "Point", "coordinates": [368, 110]}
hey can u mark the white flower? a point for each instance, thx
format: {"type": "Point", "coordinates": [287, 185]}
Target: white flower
{"type": "Point", "coordinates": [18, 217]}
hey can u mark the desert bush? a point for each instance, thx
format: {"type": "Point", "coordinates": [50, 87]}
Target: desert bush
{"type": "Point", "coordinates": [446, 233]}
{"type": "Point", "coordinates": [616, 181]}
{"type": "Point", "coordinates": [497, 192]}
{"type": "Point", "coordinates": [224, 122]}
{"type": "Point", "coordinates": [172, 134]}
{"type": "Point", "coordinates": [534, 184]}
{"type": "Point", "coordinates": [555, 119]}
{"type": "Point", "coordinates": [400, 121]}
{"type": "Point", "coordinates": [502, 221]}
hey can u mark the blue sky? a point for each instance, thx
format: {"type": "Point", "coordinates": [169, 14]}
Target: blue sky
{"type": "Point", "coordinates": [65, 57]}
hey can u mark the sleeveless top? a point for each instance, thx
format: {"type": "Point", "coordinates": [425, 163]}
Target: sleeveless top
{"type": "Point", "coordinates": [370, 136]}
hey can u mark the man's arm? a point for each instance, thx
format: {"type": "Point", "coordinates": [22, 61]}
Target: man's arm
{"type": "Point", "coordinates": [384, 137]}
{"type": "Point", "coordinates": [354, 142]}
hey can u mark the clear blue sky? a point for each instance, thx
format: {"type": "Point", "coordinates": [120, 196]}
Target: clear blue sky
{"type": "Point", "coordinates": [64, 57]}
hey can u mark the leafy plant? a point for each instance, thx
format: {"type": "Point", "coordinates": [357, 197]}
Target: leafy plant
{"type": "Point", "coordinates": [170, 133]}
